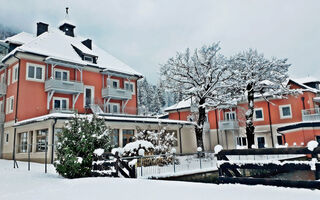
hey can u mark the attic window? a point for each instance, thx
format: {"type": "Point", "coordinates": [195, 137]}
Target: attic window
{"type": "Point", "coordinates": [88, 58]}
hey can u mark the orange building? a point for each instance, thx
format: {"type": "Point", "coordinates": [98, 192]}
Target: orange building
{"type": "Point", "coordinates": [45, 79]}
{"type": "Point", "coordinates": [279, 121]}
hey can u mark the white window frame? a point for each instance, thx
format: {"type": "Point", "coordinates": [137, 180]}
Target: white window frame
{"type": "Point", "coordinates": [91, 58]}
{"type": "Point", "coordinates": [111, 106]}
{"type": "Point", "coordinates": [239, 139]}
{"type": "Point", "coordinates": [114, 80]}
{"type": "Point", "coordinates": [9, 105]}
{"type": "Point", "coordinates": [255, 117]}
{"type": "Point", "coordinates": [84, 94]}
{"type": "Point", "coordinates": [281, 112]}
{"type": "Point", "coordinates": [133, 86]}
{"type": "Point", "coordinates": [228, 113]}
{"type": "Point", "coordinates": [9, 75]}
{"type": "Point", "coordinates": [61, 70]}
{"type": "Point", "coordinates": [15, 73]}
{"type": "Point", "coordinates": [35, 72]}
{"type": "Point", "coordinates": [60, 98]}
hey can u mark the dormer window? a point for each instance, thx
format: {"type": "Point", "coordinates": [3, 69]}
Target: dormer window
{"type": "Point", "coordinates": [88, 58]}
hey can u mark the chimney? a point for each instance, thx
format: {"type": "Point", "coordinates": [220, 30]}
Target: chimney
{"type": "Point", "coordinates": [68, 29]}
{"type": "Point", "coordinates": [41, 28]}
{"type": "Point", "coordinates": [87, 43]}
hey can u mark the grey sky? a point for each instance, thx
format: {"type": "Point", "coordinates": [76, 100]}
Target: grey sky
{"type": "Point", "coordinates": [145, 33]}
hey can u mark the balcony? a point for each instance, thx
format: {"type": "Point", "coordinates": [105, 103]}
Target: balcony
{"type": "Point", "coordinates": [311, 114]}
{"type": "Point", "coordinates": [65, 87]}
{"type": "Point", "coordinates": [3, 89]}
{"type": "Point", "coordinates": [228, 125]}
{"type": "Point", "coordinates": [116, 93]}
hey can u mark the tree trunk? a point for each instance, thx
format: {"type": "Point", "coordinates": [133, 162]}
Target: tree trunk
{"type": "Point", "coordinates": [200, 123]}
{"type": "Point", "coordinates": [249, 116]}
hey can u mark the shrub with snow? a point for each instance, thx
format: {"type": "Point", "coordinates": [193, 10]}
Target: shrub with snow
{"type": "Point", "coordinates": [132, 148]}
{"type": "Point", "coordinates": [312, 145]}
{"type": "Point", "coordinates": [79, 141]}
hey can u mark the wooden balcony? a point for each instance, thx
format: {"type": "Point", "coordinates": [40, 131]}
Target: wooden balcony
{"type": "Point", "coordinates": [228, 125]}
{"type": "Point", "coordinates": [116, 93]}
{"type": "Point", "coordinates": [65, 87]}
{"type": "Point", "coordinates": [311, 114]}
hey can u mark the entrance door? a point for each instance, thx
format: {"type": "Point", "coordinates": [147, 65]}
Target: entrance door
{"type": "Point", "coordinates": [88, 96]}
{"type": "Point", "coordinates": [261, 142]}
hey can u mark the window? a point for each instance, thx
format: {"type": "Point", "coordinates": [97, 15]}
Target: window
{"type": "Point", "coordinates": [261, 142]}
{"type": "Point", "coordinates": [60, 74]}
{"type": "Point", "coordinates": [9, 75]}
{"type": "Point", "coordinates": [113, 108]}
{"type": "Point", "coordinates": [35, 72]}
{"type": "Point", "coordinates": [57, 131]}
{"type": "Point", "coordinates": [279, 140]}
{"type": "Point", "coordinates": [7, 137]}
{"type": "Point", "coordinates": [60, 103]}
{"type": "Point", "coordinates": [318, 139]}
{"type": "Point", "coordinates": [42, 140]}
{"type": "Point", "coordinates": [15, 72]}
{"type": "Point", "coordinates": [285, 111]}
{"type": "Point", "coordinates": [1, 107]}
{"type": "Point", "coordinates": [115, 137]}
{"type": "Point", "coordinates": [88, 58]}
{"type": "Point", "coordinates": [88, 96]}
{"type": "Point", "coordinates": [230, 116]}
{"type": "Point", "coordinates": [241, 141]}
{"type": "Point", "coordinates": [129, 86]}
{"type": "Point", "coordinates": [3, 78]}
{"type": "Point", "coordinates": [127, 136]}
{"type": "Point", "coordinates": [23, 142]}
{"type": "Point", "coordinates": [258, 114]}
{"type": "Point", "coordinates": [9, 104]}
{"type": "Point", "coordinates": [115, 83]}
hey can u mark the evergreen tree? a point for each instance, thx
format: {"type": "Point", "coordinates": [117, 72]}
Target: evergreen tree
{"type": "Point", "coordinates": [77, 142]}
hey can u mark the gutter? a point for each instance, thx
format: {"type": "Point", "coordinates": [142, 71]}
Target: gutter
{"type": "Point", "coordinates": [180, 139]}
{"type": "Point", "coordinates": [52, 139]}
{"type": "Point", "coordinates": [270, 124]}
{"type": "Point", "coordinates": [217, 125]}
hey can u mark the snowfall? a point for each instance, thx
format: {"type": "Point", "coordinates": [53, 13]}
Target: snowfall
{"type": "Point", "coordinates": [35, 184]}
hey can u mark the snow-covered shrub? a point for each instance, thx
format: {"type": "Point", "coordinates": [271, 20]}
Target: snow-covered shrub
{"type": "Point", "coordinates": [78, 140]}
{"type": "Point", "coordinates": [132, 148]}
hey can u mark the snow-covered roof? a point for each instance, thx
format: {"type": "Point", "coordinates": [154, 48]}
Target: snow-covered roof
{"type": "Point", "coordinates": [301, 84]}
{"type": "Point", "coordinates": [107, 117]}
{"type": "Point", "coordinates": [308, 79]}
{"type": "Point", "coordinates": [20, 38]}
{"type": "Point", "coordinates": [180, 105]}
{"type": "Point", "coordinates": [55, 44]}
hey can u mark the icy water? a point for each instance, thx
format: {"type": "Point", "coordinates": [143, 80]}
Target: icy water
{"type": "Point", "coordinates": [303, 175]}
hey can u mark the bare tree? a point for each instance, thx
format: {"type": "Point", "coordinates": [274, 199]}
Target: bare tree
{"type": "Point", "coordinates": [203, 76]}
{"type": "Point", "coordinates": [258, 76]}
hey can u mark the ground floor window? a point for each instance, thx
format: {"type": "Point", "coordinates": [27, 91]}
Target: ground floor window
{"type": "Point", "coordinates": [23, 142]}
{"type": "Point", "coordinates": [261, 142]}
{"type": "Point", "coordinates": [42, 140]}
{"type": "Point", "coordinates": [127, 136]}
{"type": "Point", "coordinates": [318, 139]}
{"type": "Point", "coordinates": [7, 137]}
{"type": "Point", "coordinates": [241, 141]}
{"type": "Point", "coordinates": [114, 136]}
{"type": "Point", "coordinates": [279, 140]}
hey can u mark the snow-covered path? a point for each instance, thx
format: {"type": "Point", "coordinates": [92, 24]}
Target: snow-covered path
{"type": "Point", "coordinates": [34, 185]}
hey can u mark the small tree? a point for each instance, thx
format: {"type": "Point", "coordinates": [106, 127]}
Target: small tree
{"type": "Point", "coordinates": [202, 76]}
{"type": "Point", "coordinates": [77, 142]}
{"type": "Point", "coordinates": [256, 75]}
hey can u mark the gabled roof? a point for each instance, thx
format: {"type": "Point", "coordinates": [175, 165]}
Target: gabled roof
{"type": "Point", "coordinates": [20, 38]}
{"type": "Point", "coordinates": [186, 103]}
{"type": "Point", "coordinates": [55, 44]}
{"type": "Point", "coordinates": [308, 79]}
{"type": "Point", "coordinates": [303, 86]}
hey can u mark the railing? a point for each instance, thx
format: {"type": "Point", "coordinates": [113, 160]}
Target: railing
{"type": "Point", "coordinates": [56, 110]}
{"type": "Point", "coordinates": [228, 124]}
{"type": "Point", "coordinates": [311, 114]}
{"type": "Point", "coordinates": [116, 93]}
{"type": "Point", "coordinates": [67, 87]}
{"type": "Point", "coordinates": [3, 89]}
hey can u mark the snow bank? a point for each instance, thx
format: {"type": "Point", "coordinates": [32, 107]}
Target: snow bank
{"type": "Point", "coordinates": [312, 145]}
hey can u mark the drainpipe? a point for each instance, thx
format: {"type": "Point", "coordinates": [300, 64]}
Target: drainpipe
{"type": "Point", "coordinates": [303, 105]}
{"type": "Point", "coordinates": [52, 148]}
{"type": "Point", "coordinates": [16, 112]}
{"type": "Point", "coordinates": [180, 140]}
{"type": "Point", "coordinates": [2, 125]}
{"type": "Point", "coordinates": [270, 124]}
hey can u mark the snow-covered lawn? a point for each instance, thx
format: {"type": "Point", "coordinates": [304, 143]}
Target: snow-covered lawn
{"type": "Point", "coordinates": [34, 185]}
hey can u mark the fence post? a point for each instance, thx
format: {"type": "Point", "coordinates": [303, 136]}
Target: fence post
{"type": "Point", "coordinates": [45, 158]}
{"type": "Point", "coordinates": [141, 165]}
{"type": "Point", "coordinates": [174, 162]}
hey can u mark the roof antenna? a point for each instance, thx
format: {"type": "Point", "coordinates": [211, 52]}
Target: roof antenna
{"type": "Point", "coordinates": [67, 13]}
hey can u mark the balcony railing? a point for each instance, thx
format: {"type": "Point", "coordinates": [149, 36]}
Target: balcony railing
{"type": "Point", "coordinates": [67, 111]}
{"type": "Point", "coordinates": [228, 125]}
{"type": "Point", "coordinates": [116, 93]}
{"type": "Point", "coordinates": [311, 114]}
{"type": "Point", "coordinates": [3, 89]}
{"type": "Point", "coordinates": [66, 87]}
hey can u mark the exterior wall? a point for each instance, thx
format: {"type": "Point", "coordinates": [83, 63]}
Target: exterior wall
{"type": "Point", "coordinates": [301, 136]}
{"type": "Point", "coordinates": [187, 137]}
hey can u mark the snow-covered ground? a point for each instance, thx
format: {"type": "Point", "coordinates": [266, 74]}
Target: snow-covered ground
{"type": "Point", "coordinates": [35, 184]}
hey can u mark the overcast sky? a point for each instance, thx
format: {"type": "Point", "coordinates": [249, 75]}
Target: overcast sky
{"type": "Point", "coordinates": [145, 33]}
